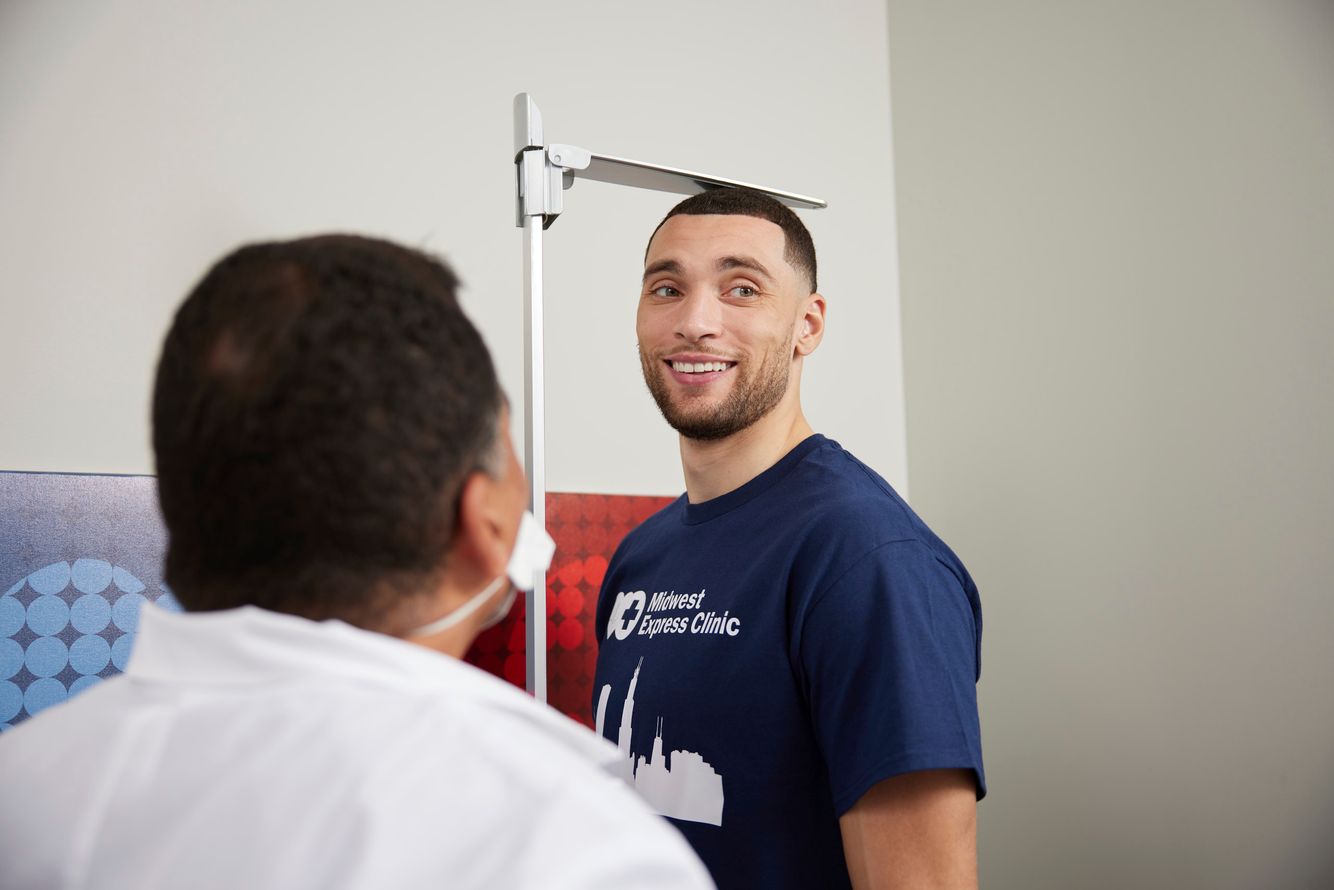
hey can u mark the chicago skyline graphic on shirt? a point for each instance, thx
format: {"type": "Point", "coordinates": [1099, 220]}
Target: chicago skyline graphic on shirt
{"type": "Point", "coordinates": [689, 788]}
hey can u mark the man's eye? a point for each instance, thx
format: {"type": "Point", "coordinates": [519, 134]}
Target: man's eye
{"type": "Point", "coordinates": [665, 290]}
{"type": "Point", "coordinates": [744, 290]}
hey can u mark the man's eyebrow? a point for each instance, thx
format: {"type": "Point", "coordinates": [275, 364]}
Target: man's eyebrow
{"type": "Point", "coordinates": [724, 264]}
{"type": "Point", "coordinates": [671, 267]}
{"type": "Point", "coordinates": [744, 262]}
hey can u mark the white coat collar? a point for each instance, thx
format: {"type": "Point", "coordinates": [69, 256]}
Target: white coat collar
{"type": "Point", "coordinates": [252, 646]}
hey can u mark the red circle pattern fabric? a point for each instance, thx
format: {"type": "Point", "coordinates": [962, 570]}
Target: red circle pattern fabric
{"type": "Point", "coordinates": [587, 529]}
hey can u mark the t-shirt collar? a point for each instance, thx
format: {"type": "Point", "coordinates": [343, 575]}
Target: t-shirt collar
{"type": "Point", "coordinates": [695, 514]}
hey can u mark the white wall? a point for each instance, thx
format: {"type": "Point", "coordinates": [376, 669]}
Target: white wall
{"type": "Point", "coordinates": [1118, 274]}
{"type": "Point", "coordinates": [139, 141]}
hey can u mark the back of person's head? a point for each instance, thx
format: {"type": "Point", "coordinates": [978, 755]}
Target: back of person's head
{"type": "Point", "coordinates": [318, 404]}
{"type": "Point", "coordinates": [799, 248]}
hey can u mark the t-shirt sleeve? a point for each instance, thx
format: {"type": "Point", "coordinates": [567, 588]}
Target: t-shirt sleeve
{"type": "Point", "coordinates": [888, 654]}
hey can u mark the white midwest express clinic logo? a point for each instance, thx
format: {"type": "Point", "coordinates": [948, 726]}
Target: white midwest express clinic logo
{"type": "Point", "coordinates": [667, 612]}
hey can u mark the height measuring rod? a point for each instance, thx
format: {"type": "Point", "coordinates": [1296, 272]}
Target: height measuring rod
{"type": "Point", "coordinates": [544, 173]}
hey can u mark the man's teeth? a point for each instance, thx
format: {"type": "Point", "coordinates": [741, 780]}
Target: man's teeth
{"type": "Point", "coordinates": [700, 367]}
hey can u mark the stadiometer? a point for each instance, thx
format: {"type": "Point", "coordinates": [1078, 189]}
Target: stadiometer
{"type": "Point", "coordinates": [544, 172]}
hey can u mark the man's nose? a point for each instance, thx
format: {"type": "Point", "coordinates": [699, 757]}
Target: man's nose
{"type": "Point", "coordinates": [699, 316]}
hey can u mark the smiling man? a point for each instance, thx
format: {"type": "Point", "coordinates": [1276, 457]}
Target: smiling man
{"type": "Point", "coordinates": [789, 656]}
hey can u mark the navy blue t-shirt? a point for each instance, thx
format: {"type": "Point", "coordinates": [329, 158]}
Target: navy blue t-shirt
{"type": "Point", "coordinates": [769, 655]}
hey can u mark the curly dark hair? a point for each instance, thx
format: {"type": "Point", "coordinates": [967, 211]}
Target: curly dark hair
{"type": "Point", "coordinates": [318, 404]}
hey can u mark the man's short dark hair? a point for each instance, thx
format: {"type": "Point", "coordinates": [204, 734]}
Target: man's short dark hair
{"type": "Point", "coordinates": [799, 249]}
{"type": "Point", "coordinates": [318, 404]}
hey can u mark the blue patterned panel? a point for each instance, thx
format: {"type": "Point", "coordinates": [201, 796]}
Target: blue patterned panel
{"type": "Point", "coordinates": [79, 556]}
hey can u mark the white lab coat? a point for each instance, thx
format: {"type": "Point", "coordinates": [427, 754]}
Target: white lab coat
{"type": "Point", "coordinates": [248, 749]}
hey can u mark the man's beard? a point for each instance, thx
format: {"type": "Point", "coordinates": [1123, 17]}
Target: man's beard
{"type": "Point", "coordinates": [750, 398]}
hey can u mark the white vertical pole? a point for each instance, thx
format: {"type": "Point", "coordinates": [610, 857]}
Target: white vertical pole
{"type": "Point", "coordinates": [534, 447]}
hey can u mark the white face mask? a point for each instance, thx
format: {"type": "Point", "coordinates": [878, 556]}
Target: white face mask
{"type": "Point", "coordinates": [533, 549]}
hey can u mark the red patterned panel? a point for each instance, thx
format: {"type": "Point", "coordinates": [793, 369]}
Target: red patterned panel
{"type": "Point", "coordinates": [587, 529]}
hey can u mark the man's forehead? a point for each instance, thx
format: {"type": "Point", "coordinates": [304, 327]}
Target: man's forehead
{"type": "Point", "coordinates": [704, 238]}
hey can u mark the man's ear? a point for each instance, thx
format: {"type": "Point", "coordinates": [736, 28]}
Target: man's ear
{"type": "Point", "coordinates": [810, 326]}
{"type": "Point", "coordinates": [479, 530]}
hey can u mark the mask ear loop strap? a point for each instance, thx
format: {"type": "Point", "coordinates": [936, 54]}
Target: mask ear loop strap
{"type": "Point", "coordinates": [453, 618]}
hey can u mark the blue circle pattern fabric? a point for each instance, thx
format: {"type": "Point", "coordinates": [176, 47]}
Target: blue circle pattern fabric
{"type": "Point", "coordinates": [65, 628]}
